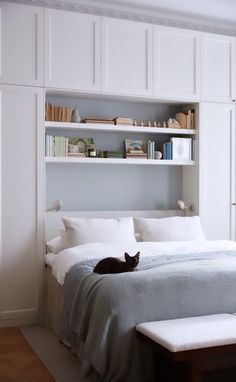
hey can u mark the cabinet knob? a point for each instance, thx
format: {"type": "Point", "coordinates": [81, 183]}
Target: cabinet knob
{"type": "Point", "coordinates": [233, 204]}
{"type": "Point", "coordinates": [233, 100]}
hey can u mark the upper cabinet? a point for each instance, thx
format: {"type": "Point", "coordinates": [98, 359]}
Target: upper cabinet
{"type": "Point", "coordinates": [218, 68]}
{"type": "Point", "coordinates": [72, 50]}
{"type": "Point", "coordinates": [176, 63]}
{"type": "Point", "coordinates": [127, 57]}
{"type": "Point", "coordinates": [21, 46]}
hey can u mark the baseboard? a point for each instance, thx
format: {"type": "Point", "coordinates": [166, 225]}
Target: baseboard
{"type": "Point", "coordinates": [18, 317]}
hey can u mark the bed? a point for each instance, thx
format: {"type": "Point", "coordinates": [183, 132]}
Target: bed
{"type": "Point", "coordinates": [174, 279]}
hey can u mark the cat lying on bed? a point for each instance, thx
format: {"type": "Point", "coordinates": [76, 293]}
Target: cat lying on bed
{"type": "Point", "coordinates": [114, 265]}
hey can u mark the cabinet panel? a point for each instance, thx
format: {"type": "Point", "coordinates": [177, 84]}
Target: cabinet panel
{"type": "Point", "coordinates": [21, 44]}
{"type": "Point", "coordinates": [217, 68]}
{"type": "Point", "coordinates": [72, 50]}
{"type": "Point", "coordinates": [127, 54]}
{"type": "Point", "coordinates": [21, 201]}
{"type": "Point", "coordinates": [176, 63]}
{"type": "Point", "coordinates": [217, 170]}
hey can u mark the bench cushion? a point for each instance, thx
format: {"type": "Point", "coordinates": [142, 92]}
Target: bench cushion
{"type": "Point", "coordinates": [192, 332]}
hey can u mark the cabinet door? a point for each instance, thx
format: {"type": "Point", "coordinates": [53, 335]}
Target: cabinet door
{"type": "Point", "coordinates": [72, 50]}
{"type": "Point", "coordinates": [21, 51]}
{"type": "Point", "coordinates": [21, 202]}
{"type": "Point", "coordinates": [217, 170]}
{"type": "Point", "coordinates": [217, 68]}
{"type": "Point", "coordinates": [127, 54]}
{"type": "Point", "coordinates": [176, 63]}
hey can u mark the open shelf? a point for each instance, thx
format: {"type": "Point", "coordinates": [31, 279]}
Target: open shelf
{"type": "Point", "coordinates": [121, 161]}
{"type": "Point", "coordinates": [72, 126]}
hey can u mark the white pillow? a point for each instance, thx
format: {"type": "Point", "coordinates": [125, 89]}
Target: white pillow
{"type": "Point", "coordinates": [54, 245]}
{"type": "Point", "coordinates": [170, 229]}
{"type": "Point", "coordinates": [82, 231]}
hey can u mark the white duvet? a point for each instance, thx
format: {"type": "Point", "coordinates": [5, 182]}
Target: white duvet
{"type": "Point", "coordinates": [63, 261]}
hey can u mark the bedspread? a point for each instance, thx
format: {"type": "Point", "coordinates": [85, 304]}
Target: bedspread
{"type": "Point", "coordinates": [101, 311]}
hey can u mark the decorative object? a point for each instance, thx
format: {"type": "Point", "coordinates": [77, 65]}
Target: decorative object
{"type": "Point", "coordinates": [92, 153]}
{"type": "Point", "coordinates": [75, 115]}
{"type": "Point", "coordinates": [187, 210]}
{"type": "Point", "coordinates": [155, 123]}
{"type": "Point", "coordinates": [157, 155]}
{"type": "Point", "coordinates": [135, 123]}
{"type": "Point", "coordinates": [79, 146]}
{"type": "Point", "coordinates": [55, 206]}
{"type": "Point", "coordinates": [172, 123]}
{"type": "Point", "coordinates": [142, 123]}
{"type": "Point", "coordinates": [149, 124]}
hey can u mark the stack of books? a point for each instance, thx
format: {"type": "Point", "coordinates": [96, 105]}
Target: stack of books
{"type": "Point", "coordinates": [57, 113]}
{"type": "Point", "coordinates": [123, 121]}
{"type": "Point", "coordinates": [135, 149]}
{"type": "Point", "coordinates": [98, 120]}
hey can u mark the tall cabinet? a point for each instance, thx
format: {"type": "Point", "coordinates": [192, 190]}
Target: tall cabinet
{"type": "Point", "coordinates": [217, 170]}
{"type": "Point", "coordinates": [21, 162]}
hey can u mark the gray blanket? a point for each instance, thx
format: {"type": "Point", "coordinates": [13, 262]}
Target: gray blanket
{"type": "Point", "coordinates": [101, 311]}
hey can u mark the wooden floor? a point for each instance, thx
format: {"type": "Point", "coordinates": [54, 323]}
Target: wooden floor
{"type": "Point", "coordinates": [18, 362]}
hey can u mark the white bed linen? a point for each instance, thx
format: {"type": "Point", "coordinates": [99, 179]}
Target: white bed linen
{"type": "Point", "coordinates": [49, 259]}
{"type": "Point", "coordinates": [66, 259]}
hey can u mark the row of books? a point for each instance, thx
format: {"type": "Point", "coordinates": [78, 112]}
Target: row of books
{"type": "Point", "coordinates": [58, 113]}
{"type": "Point", "coordinates": [180, 149]}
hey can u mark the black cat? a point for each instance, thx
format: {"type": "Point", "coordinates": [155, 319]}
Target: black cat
{"type": "Point", "coordinates": [114, 265]}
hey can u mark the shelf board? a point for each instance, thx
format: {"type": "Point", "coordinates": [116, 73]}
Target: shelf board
{"type": "Point", "coordinates": [70, 126]}
{"type": "Point", "coordinates": [122, 161]}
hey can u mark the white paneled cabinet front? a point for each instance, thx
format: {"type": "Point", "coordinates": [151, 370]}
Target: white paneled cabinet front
{"type": "Point", "coordinates": [176, 63]}
{"type": "Point", "coordinates": [72, 50]}
{"type": "Point", "coordinates": [217, 170]}
{"type": "Point", "coordinates": [127, 57]}
{"type": "Point", "coordinates": [21, 50]}
{"type": "Point", "coordinates": [21, 202]}
{"type": "Point", "coordinates": [217, 68]}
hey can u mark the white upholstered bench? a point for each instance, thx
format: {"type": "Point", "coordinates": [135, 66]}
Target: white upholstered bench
{"type": "Point", "coordinates": [187, 342]}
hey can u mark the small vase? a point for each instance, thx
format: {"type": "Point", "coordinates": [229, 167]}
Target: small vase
{"type": "Point", "coordinates": [75, 115]}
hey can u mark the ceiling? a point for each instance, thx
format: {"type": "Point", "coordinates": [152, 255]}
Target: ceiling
{"type": "Point", "coordinates": [222, 10]}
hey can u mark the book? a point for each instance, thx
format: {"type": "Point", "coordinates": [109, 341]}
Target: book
{"type": "Point", "coordinates": [167, 150]}
{"type": "Point", "coordinates": [181, 148]}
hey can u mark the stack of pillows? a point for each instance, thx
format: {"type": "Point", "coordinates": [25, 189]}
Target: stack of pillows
{"type": "Point", "coordinates": [80, 231]}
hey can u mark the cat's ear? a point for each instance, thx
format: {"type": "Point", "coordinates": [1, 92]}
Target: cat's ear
{"type": "Point", "coordinates": [127, 257]}
{"type": "Point", "coordinates": [137, 254]}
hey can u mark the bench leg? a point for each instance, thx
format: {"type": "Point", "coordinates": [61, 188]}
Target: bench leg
{"type": "Point", "coordinates": [166, 371]}
{"type": "Point", "coordinates": [196, 372]}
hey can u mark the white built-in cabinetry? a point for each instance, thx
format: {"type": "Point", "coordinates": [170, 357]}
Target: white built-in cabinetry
{"type": "Point", "coordinates": [127, 57]}
{"type": "Point", "coordinates": [85, 53]}
{"type": "Point", "coordinates": [21, 46]}
{"type": "Point", "coordinates": [218, 68]}
{"type": "Point", "coordinates": [21, 203]}
{"type": "Point", "coordinates": [217, 170]}
{"type": "Point", "coordinates": [176, 63]}
{"type": "Point", "coordinates": [72, 50]}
